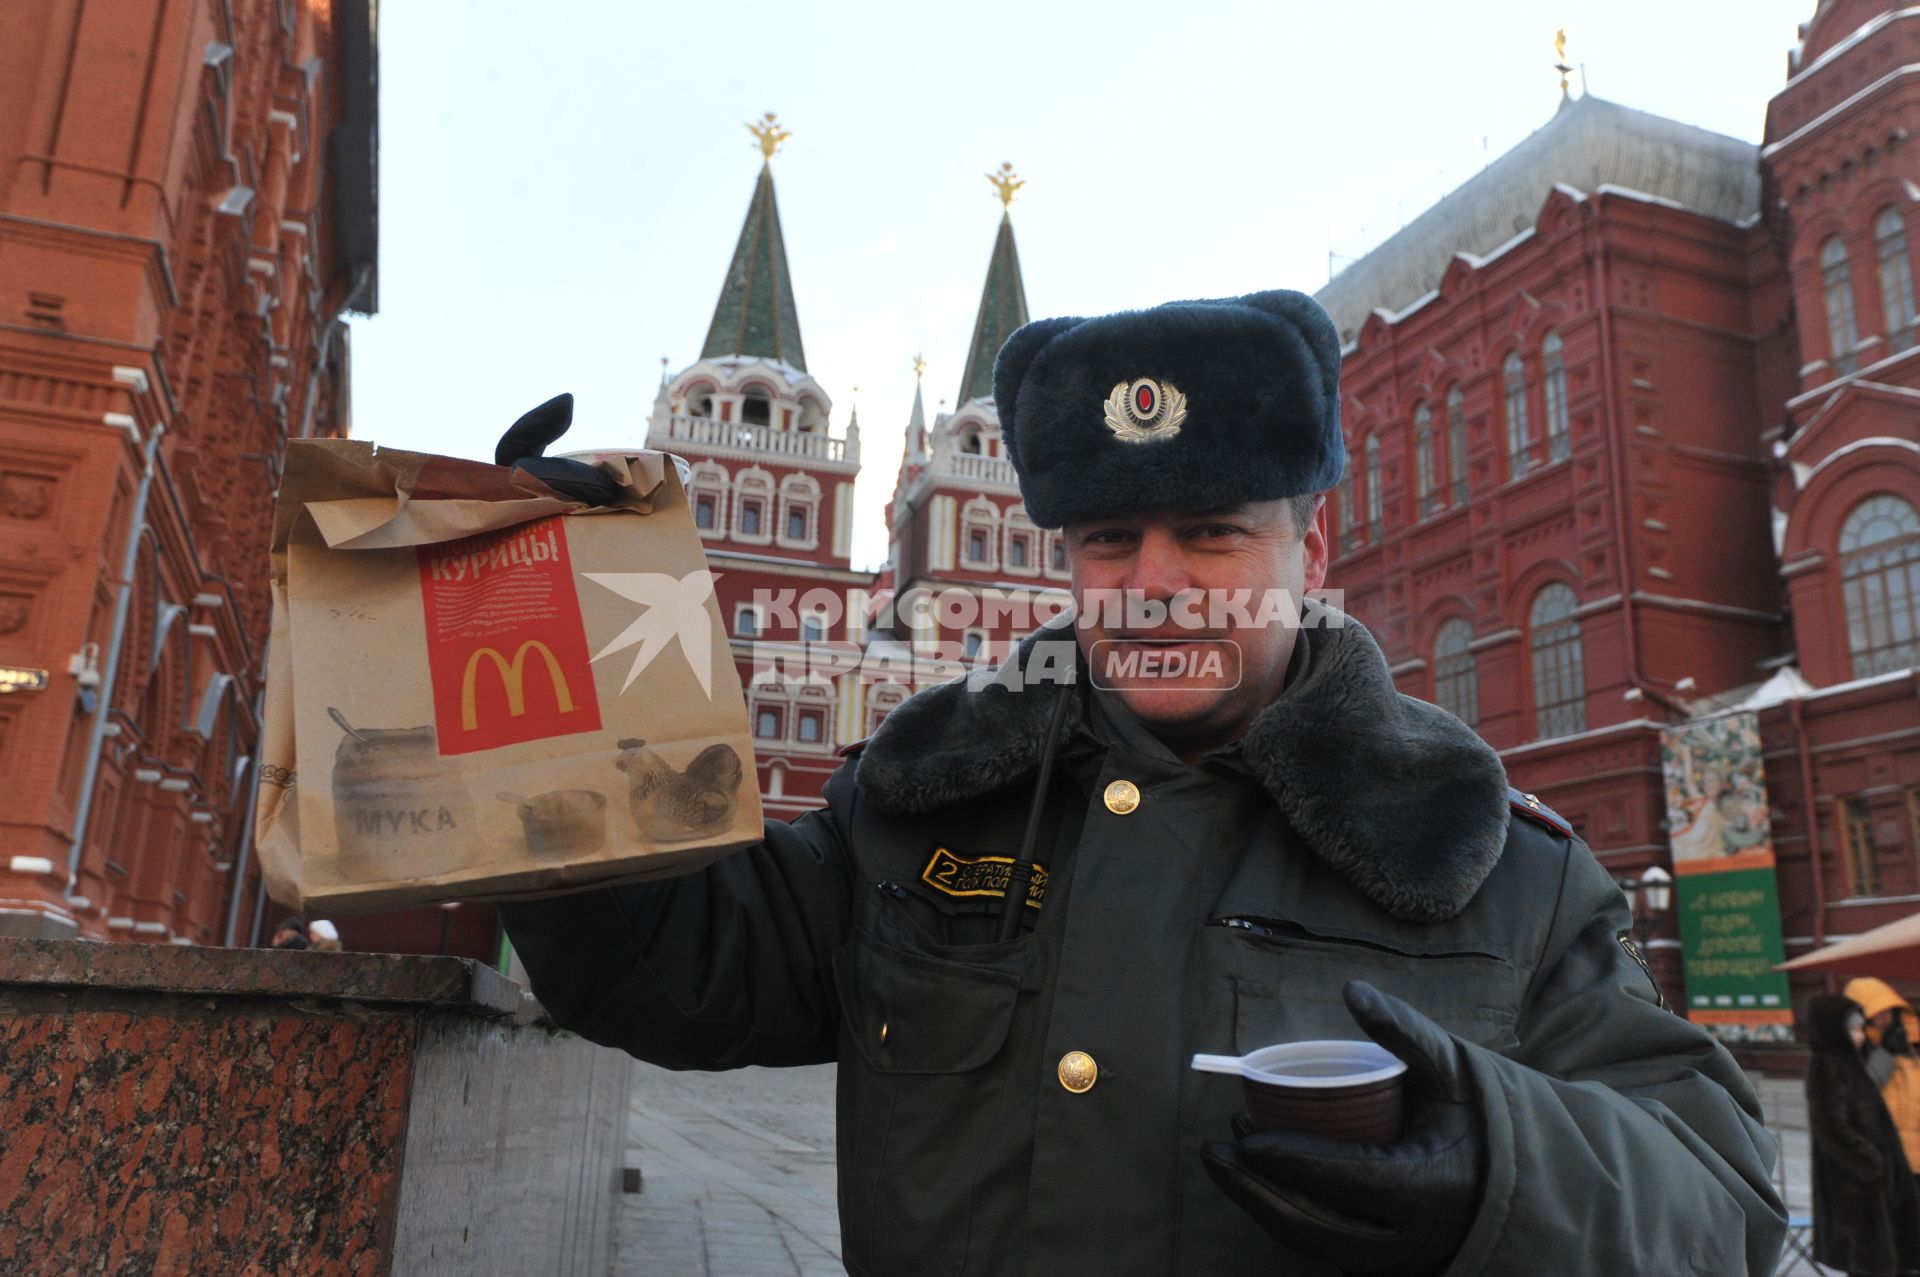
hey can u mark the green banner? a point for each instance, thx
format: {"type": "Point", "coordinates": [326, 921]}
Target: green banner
{"type": "Point", "coordinates": [1725, 887]}
{"type": "Point", "coordinates": [1730, 943]}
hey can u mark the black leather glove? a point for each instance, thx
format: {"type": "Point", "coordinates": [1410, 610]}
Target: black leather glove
{"type": "Point", "coordinates": [1894, 1036]}
{"type": "Point", "coordinates": [528, 437]}
{"type": "Point", "coordinates": [1402, 1208]}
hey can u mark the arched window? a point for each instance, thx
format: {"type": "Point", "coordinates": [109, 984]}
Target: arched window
{"type": "Point", "coordinates": [1559, 671]}
{"type": "Point", "coordinates": [1553, 376]}
{"type": "Point", "coordinates": [1423, 459]}
{"type": "Point", "coordinates": [755, 408]}
{"type": "Point", "coordinates": [1896, 278]}
{"type": "Point", "coordinates": [1519, 434]}
{"type": "Point", "coordinates": [1456, 673]}
{"type": "Point", "coordinates": [1349, 512]}
{"type": "Point", "coordinates": [1457, 444]}
{"type": "Point", "coordinates": [1837, 282]}
{"type": "Point", "coordinates": [1375, 502]}
{"type": "Point", "coordinates": [1880, 578]}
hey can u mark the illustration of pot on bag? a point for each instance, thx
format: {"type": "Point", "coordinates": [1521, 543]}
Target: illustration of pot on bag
{"type": "Point", "coordinates": [394, 794]}
{"type": "Point", "coordinates": [563, 822]}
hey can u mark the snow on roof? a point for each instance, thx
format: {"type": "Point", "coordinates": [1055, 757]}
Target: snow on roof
{"type": "Point", "coordinates": [1589, 144]}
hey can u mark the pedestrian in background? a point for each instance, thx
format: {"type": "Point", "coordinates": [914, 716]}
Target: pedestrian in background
{"type": "Point", "coordinates": [1866, 1217]}
{"type": "Point", "coordinates": [290, 934]}
{"type": "Point", "coordinates": [1892, 1060]}
{"type": "Point", "coordinates": [323, 936]}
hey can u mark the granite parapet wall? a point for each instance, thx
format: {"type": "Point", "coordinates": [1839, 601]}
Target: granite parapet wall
{"type": "Point", "coordinates": [195, 1111]}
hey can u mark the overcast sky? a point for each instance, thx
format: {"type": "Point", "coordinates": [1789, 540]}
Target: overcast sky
{"type": "Point", "coordinates": [561, 185]}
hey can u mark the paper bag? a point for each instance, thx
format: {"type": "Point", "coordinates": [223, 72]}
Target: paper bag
{"type": "Point", "coordinates": [477, 689]}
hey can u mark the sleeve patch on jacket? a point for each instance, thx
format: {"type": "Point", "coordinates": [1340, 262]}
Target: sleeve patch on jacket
{"type": "Point", "coordinates": [979, 876]}
{"type": "Point", "coordinates": [1639, 956]}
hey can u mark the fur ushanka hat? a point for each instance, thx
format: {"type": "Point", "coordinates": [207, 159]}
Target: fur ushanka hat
{"type": "Point", "coordinates": [1191, 405]}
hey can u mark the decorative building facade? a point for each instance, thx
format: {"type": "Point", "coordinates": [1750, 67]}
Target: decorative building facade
{"type": "Point", "coordinates": [186, 209]}
{"type": "Point", "coordinates": [772, 496]}
{"type": "Point", "coordinates": [825, 649]}
{"type": "Point", "coordinates": [958, 532]}
{"type": "Point", "coordinates": [1635, 436]}
{"type": "Point", "coordinates": [1842, 182]}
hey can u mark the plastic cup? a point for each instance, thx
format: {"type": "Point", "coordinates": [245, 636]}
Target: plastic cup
{"type": "Point", "coordinates": [1354, 1092]}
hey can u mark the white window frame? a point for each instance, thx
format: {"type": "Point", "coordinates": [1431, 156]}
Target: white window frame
{"type": "Point", "coordinates": [749, 486]}
{"type": "Point", "coordinates": [812, 699]}
{"type": "Point", "coordinates": [1056, 541]}
{"type": "Point", "coordinates": [710, 479]}
{"type": "Point", "coordinates": [882, 700]}
{"type": "Point", "coordinates": [980, 515]}
{"type": "Point", "coordinates": [799, 490]}
{"type": "Point", "coordinates": [1019, 527]}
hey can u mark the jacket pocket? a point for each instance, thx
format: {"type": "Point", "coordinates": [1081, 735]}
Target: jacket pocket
{"type": "Point", "coordinates": [910, 1012]}
{"type": "Point", "coordinates": [924, 1073]}
{"type": "Point", "coordinates": [1287, 981]}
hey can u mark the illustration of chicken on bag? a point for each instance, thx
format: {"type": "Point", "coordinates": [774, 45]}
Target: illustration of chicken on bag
{"type": "Point", "coordinates": [668, 805]}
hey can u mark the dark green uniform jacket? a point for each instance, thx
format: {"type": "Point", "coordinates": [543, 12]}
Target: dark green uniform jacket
{"type": "Point", "coordinates": [1353, 833]}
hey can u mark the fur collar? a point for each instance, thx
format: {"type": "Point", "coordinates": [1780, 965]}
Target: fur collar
{"type": "Point", "coordinates": [1400, 797]}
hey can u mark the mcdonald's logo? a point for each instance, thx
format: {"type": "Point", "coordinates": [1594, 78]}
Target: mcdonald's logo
{"type": "Point", "coordinates": [500, 598]}
{"type": "Point", "coordinates": [513, 679]}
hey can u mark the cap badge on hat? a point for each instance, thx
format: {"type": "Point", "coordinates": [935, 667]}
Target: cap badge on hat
{"type": "Point", "coordinates": [1145, 410]}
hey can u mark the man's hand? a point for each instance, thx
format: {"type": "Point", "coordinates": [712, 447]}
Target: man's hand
{"type": "Point", "coordinates": [1400, 1208]}
{"type": "Point", "coordinates": [528, 437]}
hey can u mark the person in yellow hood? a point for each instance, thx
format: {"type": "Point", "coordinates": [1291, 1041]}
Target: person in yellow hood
{"type": "Point", "coordinates": [1893, 1032]}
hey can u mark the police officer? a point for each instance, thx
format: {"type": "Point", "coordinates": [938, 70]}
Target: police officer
{"type": "Point", "coordinates": [1035, 893]}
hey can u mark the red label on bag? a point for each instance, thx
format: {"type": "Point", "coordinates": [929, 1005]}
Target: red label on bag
{"type": "Point", "coordinates": [506, 648]}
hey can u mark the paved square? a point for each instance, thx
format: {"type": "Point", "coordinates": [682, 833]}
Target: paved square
{"type": "Point", "coordinates": [738, 1173]}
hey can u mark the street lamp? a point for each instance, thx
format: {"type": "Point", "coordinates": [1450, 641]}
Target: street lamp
{"type": "Point", "coordinates": [1649, 897]}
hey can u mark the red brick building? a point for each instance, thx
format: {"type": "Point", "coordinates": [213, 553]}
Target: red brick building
{"type": "Point", "coordinates": [1634, 428]}
{"type": "Point", "coordinates": [187, 206]}
{"type": "Point", "coordinates": [1842, 206]}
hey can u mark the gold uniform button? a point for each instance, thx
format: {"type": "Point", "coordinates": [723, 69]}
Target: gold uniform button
{"type": "Point", "coordinates": [1122, 797]}
{"type": "Point", "coordinates": [1078, 1072]}
{"type": "Point", "coordinates": [883, 1035]}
